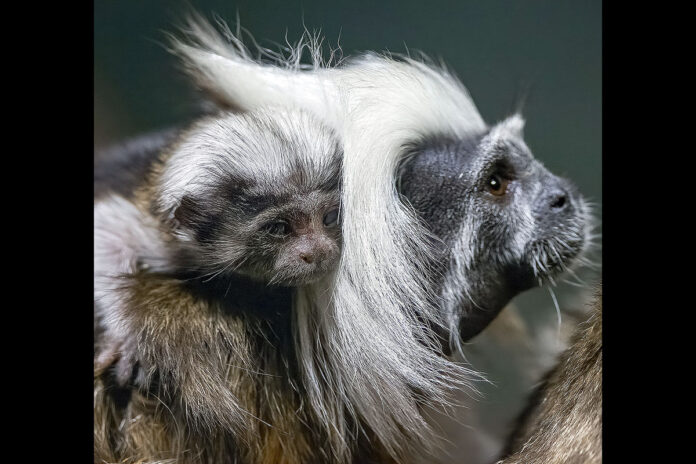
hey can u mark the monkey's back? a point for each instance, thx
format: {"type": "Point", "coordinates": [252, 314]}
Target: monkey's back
{"type": "Point", "coordinates": [565, 425]}
{"type": "Point", "coordinates": [122, 168]}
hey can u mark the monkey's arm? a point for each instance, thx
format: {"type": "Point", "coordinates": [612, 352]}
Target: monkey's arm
{"type": "Point", "coordinates": [566, 424]}
{"type": "Point", "coordinates": [123, 235]}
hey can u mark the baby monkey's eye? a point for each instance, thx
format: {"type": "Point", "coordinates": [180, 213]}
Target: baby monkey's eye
{"type": "Point", "coordinates": [497, 185]}
{"type": "Point", "coordinates": [331, 218]}
{"type": "Point", "coordinates": [278, 228]}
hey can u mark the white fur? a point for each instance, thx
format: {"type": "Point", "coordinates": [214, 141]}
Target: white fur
{"type": "Point", "coordinates": [379, 348]}
{"type": "Point", "coordinates": [377, 105]}
{"type": "Point", "coordinates": [122, 234]}
{"type": "Point", "coordinates": [514, 357]}
{"type": "Point", "coordinates": [259, 145]}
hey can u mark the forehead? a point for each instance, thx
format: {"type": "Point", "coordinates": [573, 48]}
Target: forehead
{"type": "Point", "coordinates": [257, 152]}
{"type": "Point", "coordinates": [441, 160]}
{"type": "Point", "coordinates": [511, 150]}
{"type": "Point", "coordinates": [292, 193]}
{"type": "Point", "coordinates": [259, 144]}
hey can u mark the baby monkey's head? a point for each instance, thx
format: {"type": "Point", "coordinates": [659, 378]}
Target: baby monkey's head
{"type": "Point", "coordinates": [255, 194]}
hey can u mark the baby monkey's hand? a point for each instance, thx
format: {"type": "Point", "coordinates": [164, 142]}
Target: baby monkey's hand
{"type": "Point", "coordinates": [120, 357]}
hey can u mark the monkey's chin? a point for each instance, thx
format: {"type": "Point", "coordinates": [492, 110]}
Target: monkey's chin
{"type": "Point", "coordinates": [542, 261]}
{"type": "Point", "coordinates": [299, 280]}
{"type": "Point", "coordinates": [474, 315]}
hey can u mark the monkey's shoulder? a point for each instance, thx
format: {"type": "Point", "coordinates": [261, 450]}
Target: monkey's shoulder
{"type": "Point", "coordinates": [569, 400]}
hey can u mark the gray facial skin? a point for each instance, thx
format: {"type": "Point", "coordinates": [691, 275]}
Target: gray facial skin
{"type": "Point", "coordinates": [515, 223]}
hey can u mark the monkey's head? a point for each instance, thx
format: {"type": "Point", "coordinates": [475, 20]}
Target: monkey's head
{"type": "Point", "coordinates": [505, 222]}
{"type": "Point", "coordinates": [255, 194]}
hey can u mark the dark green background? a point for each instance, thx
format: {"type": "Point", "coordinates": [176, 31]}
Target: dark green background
{"type": "Point", "coordinates": [499, 49]}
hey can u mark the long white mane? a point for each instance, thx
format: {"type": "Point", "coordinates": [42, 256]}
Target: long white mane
{"type": "Point", "coordinates": [364, 352]}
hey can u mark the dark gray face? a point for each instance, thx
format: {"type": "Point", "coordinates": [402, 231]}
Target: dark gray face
{"type": "Point", "coordinates": [505, 222]}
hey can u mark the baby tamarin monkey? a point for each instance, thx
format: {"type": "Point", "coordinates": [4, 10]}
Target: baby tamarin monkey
{"type": "Point", "coordinates": [194, 272]}
{"type": "Point", "coordinates": [254, 195]}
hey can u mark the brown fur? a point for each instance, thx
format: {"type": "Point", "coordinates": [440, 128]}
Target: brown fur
{"type": "Point", "coordinates": [565, 427]}
{"type": "Point", "coordinates": [186, 413]}
{"type": "Point", "coordinates": [198, 347]}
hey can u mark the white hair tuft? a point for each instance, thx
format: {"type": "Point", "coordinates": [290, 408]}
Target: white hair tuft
{"type": "Point", "coordinates": [366, 348]}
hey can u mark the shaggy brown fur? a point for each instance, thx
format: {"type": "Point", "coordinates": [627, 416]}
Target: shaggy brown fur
{"type": "Point", "coordinates": [565, 426]}
{"type": "Point", "coordinates": [215, 347]}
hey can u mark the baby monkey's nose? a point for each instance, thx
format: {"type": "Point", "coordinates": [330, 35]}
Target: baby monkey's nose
{"type": "Point", "coordinates": [314, 248]}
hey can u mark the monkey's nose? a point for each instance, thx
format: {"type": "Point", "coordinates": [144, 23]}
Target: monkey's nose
{"type": "Point", "coordinates": [560, 196]}
{"type": "Point", "coordinates": [559, 200]}
{"type": "Point", "coordinates": [307, 257]}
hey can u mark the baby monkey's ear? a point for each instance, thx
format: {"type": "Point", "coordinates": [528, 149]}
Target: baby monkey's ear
{"type": "Point", "coordinates": [185, 216]}
{"type": "Point", "coordinates": [186, 212]}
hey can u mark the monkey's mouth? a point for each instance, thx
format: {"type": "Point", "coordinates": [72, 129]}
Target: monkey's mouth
{"type": "Point", "coordinates": [542, 260]}
{"type": "Point", "coordinates": [552, 256]}
{"type": "Point", "coordinates": [558, 246]}
{"type": "Point", "coordinates": [562, 245]}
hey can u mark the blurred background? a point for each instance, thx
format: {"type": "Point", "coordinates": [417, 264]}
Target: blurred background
{"type": "Point", "coordinates": [547, 51]}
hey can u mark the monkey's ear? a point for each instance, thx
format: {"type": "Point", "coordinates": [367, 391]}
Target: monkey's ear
{"type": "Point", "coordinates": [185, 214]}
{"type": "Point", "coordinates": [513, 126]}
{"type": "Point", "coordinates": [183, 218]}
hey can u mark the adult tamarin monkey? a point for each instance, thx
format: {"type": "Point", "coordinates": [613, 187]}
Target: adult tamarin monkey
{"type": "Point", "coordinates": [564, 422]}
{"type": "Point", "coordinates": [444, 219]}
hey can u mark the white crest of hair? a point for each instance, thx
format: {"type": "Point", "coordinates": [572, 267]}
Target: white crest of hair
{"type": "Point", "coordinates": [122, 234]}
{"type": "Point", "coordinates": [363, 349]}
{"type": "Point", "coordinates": [260, 145]}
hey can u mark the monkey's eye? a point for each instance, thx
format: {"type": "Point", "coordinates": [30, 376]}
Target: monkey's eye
{"type": "Point", "coordinates": [331, 218]}
{"type": "Point", "coordinates": [278, 228]}
{"type": "Point", "coordinates": [497, 185]}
